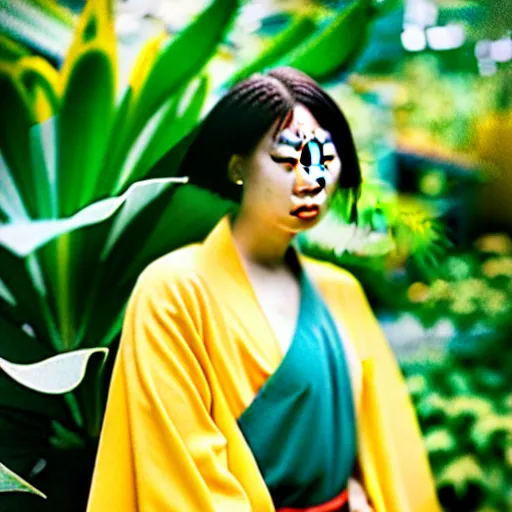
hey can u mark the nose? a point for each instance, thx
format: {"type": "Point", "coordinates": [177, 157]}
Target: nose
{"type": "Point", "coordinates": [307, 181]}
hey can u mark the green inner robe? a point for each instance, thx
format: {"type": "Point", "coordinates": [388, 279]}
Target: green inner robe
{"type": "Point", "coordinates": [301, 425]}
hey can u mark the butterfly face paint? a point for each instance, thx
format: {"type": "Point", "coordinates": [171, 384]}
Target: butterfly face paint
{"type": "Point", "coordinates": [312, 152]}
{"type": "Point", "coordinates": [309, 156]}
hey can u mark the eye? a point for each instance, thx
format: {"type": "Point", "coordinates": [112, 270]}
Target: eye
{"type": "Point", "coordinates": [284, 160]}
{"type": "Point", "coordinates": [327, 158]}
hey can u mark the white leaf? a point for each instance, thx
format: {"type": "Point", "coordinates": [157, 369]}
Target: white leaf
{"type": "Point", "coordinates": [139, 198]}
{"type": "Point", "coordinates": [55, 375]}
{"type": "Point", "coordinates": [25, 236]}
{"type": "Point", "coordinates": [11, 482]}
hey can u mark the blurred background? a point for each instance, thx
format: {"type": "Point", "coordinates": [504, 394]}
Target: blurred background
{"type": "Point", "coordinates": [98, 100]}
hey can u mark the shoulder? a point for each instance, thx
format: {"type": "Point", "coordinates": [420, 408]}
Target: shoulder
{"type": "Point", "coordinates": [328, 274]}
{"type": "Point", "coordinates": [175, 273]}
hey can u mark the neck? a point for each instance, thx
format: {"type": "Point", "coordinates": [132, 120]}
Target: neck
{"type": "Point", "coordinates": [258, 243]}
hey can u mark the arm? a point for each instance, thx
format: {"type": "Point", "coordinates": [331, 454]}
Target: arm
{"type": "Point", "coordinates": [176, 454]}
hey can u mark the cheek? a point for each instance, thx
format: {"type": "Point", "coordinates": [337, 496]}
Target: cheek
{"type": "Point", "coordinates": [268, 187]}
{"type": "Point", "coordinates": [334, 171]}
{"type": "Point", "coordinates": [333, 175]}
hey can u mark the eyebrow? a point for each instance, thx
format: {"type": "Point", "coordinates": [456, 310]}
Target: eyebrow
{"type": "Point", "coordinates": [288, 138]}
{"type": "Point", "coordinates": [323, 136]}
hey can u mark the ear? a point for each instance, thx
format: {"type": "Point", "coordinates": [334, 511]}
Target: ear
{"type": "Point", "coordinates": [236, 169]}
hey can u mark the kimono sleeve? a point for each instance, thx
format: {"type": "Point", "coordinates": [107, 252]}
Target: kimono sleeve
{"type": "Point", "coordinates": [160, 450]}
{"type": "Point", "coordinates": [394, 459]}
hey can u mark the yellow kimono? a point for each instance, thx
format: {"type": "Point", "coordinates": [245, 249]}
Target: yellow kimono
{"type": "Point", "coordinates": [196, 349]}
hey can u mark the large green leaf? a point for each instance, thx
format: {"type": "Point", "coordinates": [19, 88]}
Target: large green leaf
{"type": "Point", "coordinates": [42, 81]}
{"type": "Point", "coordinates": [183, 57]}
{"type": "Point", "coordinates": [11, 50]}
{"type": "Point", "coordinates": [327, 51]}
{"type": "Point", "coordinates": [94, 32]}
{"type": "Point", "coordinates": [118, 149]}
{"type": "Point", "coordinates": [41, 152]}
{"type": "Point", "coordinates": [70, 258]}
{"type": "Point", "coordinates": [24, 279]}
{"type": "Point", "coordinates": [169, 164]}
{"type": "Point", "coordinates": [175, 123]}
{"type": "Point", "coordinates": [122, 136]}
{"type": "Point", "coordinates": [43, 149]}
{"type": "Point", "coordinates": [111, 283]}
{"type": "Point", "coordinates": [17, 345]}
{"type": "Point", "coordinates": [11, 202]}
{"type": "Point", "coordinates": [300, 29]}
{"type": "Point", "coordinates": [70, 254]}
{"type": "Point", "coordinates": [11, 482]}
{"type": "Point", "coordinates": [84, 125]}
{"type": "Point", "coordinates": [90, 396]}
{"type": "Point", "coordinates": [6, 294]}
{"type": "Point", "coordinates": [173, 67]}
{"type": "Point", "coordinates": [164, 117]}
{"type": "Point", "coordinates": [14, 137]}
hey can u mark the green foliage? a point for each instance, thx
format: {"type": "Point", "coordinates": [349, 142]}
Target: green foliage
{"type": "Point", "coordinates": [450, 109]}
{"type": "Point", "coordinates": [334, 45]}
{"type": "Point", "coordinates": [471, 288]}
{"type": "Point", "coordinates": [11, 50]}
{"type": "Point", "coordinates": [466, 420]}
{"type": "Point", "coordinates": [78, 226]}
{"type": "Point", "coordinates": [320, 41]}
{"type": "Point", "coordinates": [386, 227]}
{"type": "Point", "coordinates": [301, 27]}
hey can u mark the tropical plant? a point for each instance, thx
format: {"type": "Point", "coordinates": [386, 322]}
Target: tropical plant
{"type": "Point", "coordinates": [77, 224]}
{"type": "Point", "coordinates": [463, 403]}
{"type": "Point", "coordinates": [383, 231]}
{"type": "Point", "coordinates": [472, 288]}
{"type": "Point", "coordinates": [88, 198]}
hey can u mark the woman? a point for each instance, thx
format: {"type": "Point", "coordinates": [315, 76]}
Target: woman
{"type": "Point", "coordinates": [250, 378]}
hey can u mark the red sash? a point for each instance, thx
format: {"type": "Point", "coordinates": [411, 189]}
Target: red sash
{"type": "Point", "coordinates": [330, 506]}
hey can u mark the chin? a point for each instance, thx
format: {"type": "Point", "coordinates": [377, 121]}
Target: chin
{"type": "Point", "coordinates": [298, 225]}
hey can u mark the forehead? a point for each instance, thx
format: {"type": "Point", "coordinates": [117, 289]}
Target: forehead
{"type": "Point", "coordinates": [301, 120]}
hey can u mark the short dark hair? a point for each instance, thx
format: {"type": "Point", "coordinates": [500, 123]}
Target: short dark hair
{"type": "Point", "coordinates": [241, 118]}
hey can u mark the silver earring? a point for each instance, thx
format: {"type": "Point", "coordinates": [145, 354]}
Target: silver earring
{"type": "Point", "coordinates": [239, 181]}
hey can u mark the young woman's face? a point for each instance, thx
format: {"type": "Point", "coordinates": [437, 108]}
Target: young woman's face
{"type": "Point", "coordinates": [289, 179]}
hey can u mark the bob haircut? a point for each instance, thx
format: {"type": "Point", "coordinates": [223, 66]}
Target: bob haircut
{"type": "Point", "coordinates": [244, 115]}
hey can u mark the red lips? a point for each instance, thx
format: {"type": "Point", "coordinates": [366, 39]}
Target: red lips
{"type": "Point", "coordinates": [306, 211]}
